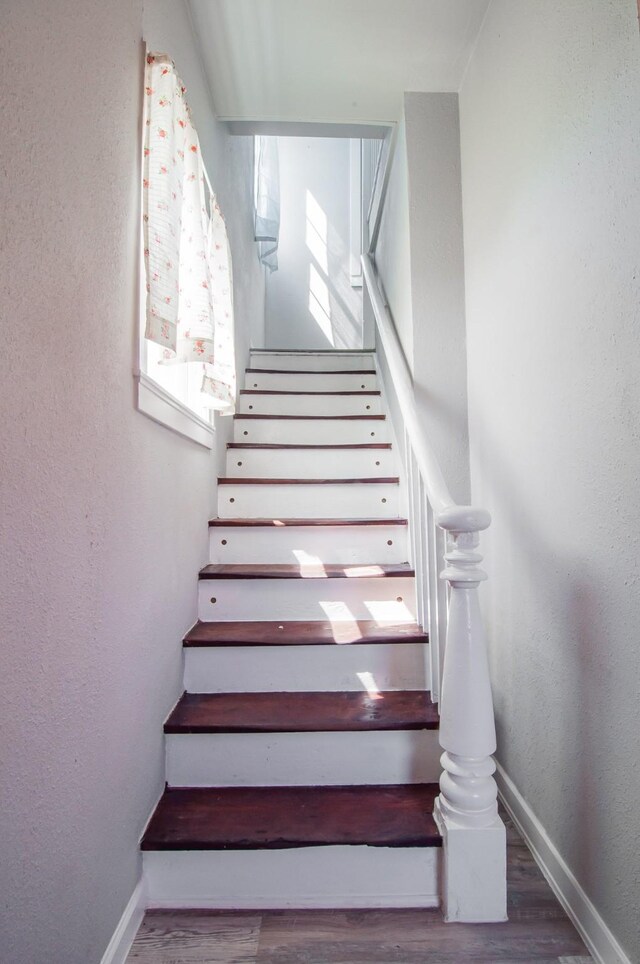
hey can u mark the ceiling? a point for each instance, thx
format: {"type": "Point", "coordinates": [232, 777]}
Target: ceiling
{"type": "Point", "coordinates": [331, 61]}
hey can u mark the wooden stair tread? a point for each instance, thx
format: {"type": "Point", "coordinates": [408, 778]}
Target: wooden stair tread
{"type": "Point", "coordinates": [276, 391]}
{"type": "Point", "coordinates": [311, 571]}
{"type": "Point", "coordinates": [297, 445]}
{"type": "Point", "coordinates": [306, 371]}
{"type": "Point", "coordinates": [302, 633]}
{"type": "Point", "coordinates": [317, 418]}
{"type": "Point", "coordinates": [334, 352]}
{"type": "Point", "coordinates": [302, 712]}
{"type": "Point", "coordinates": [243, 480]}
{"type": "Point", "coordinates": [284, 523]}
{"type": "Point", "coordinates": [277, 818]}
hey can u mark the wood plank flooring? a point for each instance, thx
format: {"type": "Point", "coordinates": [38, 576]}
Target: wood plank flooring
{"type": "Point", "coordinates": [537, 932]}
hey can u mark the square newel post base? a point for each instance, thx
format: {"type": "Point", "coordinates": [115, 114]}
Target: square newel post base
{"type": "Point", "coordinates": [474, 870]}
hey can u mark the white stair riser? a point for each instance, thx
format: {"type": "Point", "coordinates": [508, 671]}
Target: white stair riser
{"type": "Point", "coordinates": [391, 599]}
{"type": "Point", "coordinates": [296, 361]}
{"type": "Point", "coordinates": [282, 669]}
{"type": "Point", "coordinates": [303, 382]}
{"type": "Point", "coordinates": [300, 877]}
{"type": "Point", "coordinates": [302, 759]}
{"type": "Point", "coordinates": [310, 404]}
{"type": "Point", "coordinates": [310, 431]}
{"type": "Point", "coordinates": [289, 545]}
{"type": "Point", "coordinates": [354, 501]}
{"type": "Point", "coordinates": [307, 463]}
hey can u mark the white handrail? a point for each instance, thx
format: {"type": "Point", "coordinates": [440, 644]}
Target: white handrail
{"type": "Point", "coordinates": [474, 879]}
{"type": "Point", "coordinates": [449, 514]}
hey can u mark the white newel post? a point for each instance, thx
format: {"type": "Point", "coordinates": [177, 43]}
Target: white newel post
{"type": "Point", "coordinates": [474, 840]}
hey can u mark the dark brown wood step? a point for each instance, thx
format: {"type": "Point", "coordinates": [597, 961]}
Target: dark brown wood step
{"type": "Point", "coordinates": [319, 418]}
{"type": "Point", "coordinates": [279, 818]}
{"type": "Point", "coordinates": [302, 633]}
{"type": "Point", "coordinates": [302, 712]}
{"type": "Point", "coordinates": [275, 391]}
{"type": "Point", "coordinates": [240, 480]}
{"type": "Point", "coordinates": [323, 570]}
{"type": "Point", "coordinates": [306, 371]}
{"type": "Point", "coordinates": [296, 445]}
{"type": "Point", "coordinates": [283, 523]}
{"type": "Point", "coordinates": [301, 352]}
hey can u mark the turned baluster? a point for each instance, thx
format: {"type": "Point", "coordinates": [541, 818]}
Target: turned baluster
{"type": "Point", "coordinates": [466, 809]}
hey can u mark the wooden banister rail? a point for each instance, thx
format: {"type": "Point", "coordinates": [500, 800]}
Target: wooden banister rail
{"type": "Point", "coordinates": [474, 878]}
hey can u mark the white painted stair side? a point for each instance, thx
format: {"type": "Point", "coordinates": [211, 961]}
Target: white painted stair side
{"type": "Point", "coordinates": [281, 669]}
{"type": "Point", "coordinates": [338, 876]}
{"type": "Point", "coordinates": [313, 403]}
{"type": "Point", "coordinates": [336, 500]}
{"type": "Point", "coordinates": [305, 463]}
{"type": "Point", "coordinates": [389, 599]}
{"type": "Point", "coordinates": [291, 545]}
{"type": "Point", "coordinates": [312, 361]}
{"type": "Point", "coordinates": [302, 759]}
{"type": "Point", "coordinates": [310, 382]}
{"type": "Point", "coordinates": [309, 431]}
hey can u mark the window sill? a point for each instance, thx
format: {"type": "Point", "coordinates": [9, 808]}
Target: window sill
{"type": "Point", "coordinates": [159, 405]}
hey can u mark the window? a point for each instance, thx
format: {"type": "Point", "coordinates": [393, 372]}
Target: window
{"type": "Point", "coordinates": [186, 362]}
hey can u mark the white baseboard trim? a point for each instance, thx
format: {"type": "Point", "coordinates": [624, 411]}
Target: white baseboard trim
{"type": "Point", "coordinates": [601, 943]}
{"type": "Point", "coordinates": [337, 902]}
{"type": "Point", "coordinates": [125, 932]}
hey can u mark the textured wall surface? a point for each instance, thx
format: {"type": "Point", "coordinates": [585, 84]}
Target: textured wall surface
{"type": "Point", "coordinates": [103, 523]}
{"type": "Point", "coordinates": [550, 119]}
{"type": "Point", "coordinates": [310, 301]}
{"type": "Point", "coordinates": [421, 246]}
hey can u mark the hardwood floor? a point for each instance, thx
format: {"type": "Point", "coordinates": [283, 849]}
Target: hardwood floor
{"type": "Point", "coordinates": [537, 932]}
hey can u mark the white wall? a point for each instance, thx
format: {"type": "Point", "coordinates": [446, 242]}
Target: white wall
{"type": "Point", "coordinates": [103, 523]}
{"type": "Point", "coordinates": [550, 116]}
{"type": "Point", "coordinates": [420, 260]}
{"type": "Point", "coordinates": [310, 301]}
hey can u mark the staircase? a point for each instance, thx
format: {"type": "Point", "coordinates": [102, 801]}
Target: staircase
{"type": "Point", "coordinates": [302, 760]}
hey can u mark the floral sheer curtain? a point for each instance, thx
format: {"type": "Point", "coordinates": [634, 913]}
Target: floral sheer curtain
{"type": "Point", "coordinates": [186, 250]}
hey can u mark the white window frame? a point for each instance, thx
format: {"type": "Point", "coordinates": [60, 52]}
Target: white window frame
{"type": "Point", "coordinates": [152, 399]}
